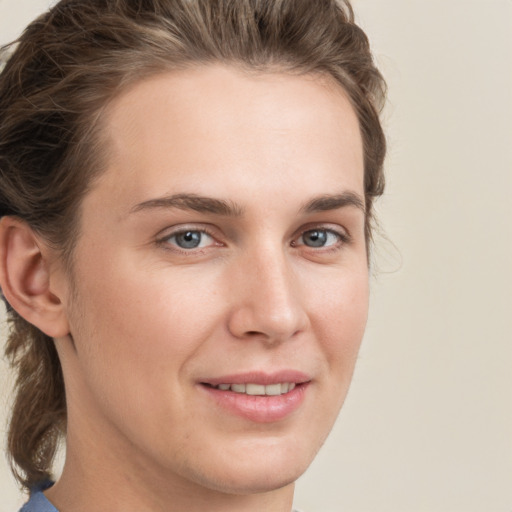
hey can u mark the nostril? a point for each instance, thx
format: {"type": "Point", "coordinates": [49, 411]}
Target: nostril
{"type": "Point", "coordinates": [253, 333]}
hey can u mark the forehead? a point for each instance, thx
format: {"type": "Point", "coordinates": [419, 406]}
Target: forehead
{"type": "Point", "coordinates": [205, 126]}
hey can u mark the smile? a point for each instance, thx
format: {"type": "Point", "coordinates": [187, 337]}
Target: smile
{"type": "Point", "coordinates": [258, 389]}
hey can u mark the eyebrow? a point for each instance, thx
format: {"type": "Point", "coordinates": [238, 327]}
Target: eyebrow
{"type": "Point", "coordinates": [193, 202]}
{"type": "Point", "coordinates": [203, 204]}
{"type": "Point", "coordinates": [334, 202]}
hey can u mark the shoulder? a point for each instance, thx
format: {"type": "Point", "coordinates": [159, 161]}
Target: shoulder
{"type": "Point", "coordinates": [38, 501]}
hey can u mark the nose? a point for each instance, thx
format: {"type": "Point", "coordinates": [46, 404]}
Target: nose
{"type": "Point", "coordinates": [267, 302]}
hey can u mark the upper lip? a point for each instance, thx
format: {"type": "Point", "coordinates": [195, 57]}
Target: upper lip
{"type": "Point", "coordinates": [259, 377]}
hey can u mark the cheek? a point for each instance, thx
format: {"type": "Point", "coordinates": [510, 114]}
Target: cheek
{"type": "Point", "coordinates": [340, 322]}
{"type": "Point", "coordinates": [145, 318]}
{"type": "Point", "coordinates": [342, 305]}
{"type": "Point", "coordinates": [136, 333]}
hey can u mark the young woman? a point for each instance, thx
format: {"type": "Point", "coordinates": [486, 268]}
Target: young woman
{"type": "Point", "coordinates": [186, 203]}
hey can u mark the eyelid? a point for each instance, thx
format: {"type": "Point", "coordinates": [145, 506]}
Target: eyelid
{"type": "Point", "coordinates": [338, 230]}
{"type": "Point", "coordinates": [167, 233]}
{"type": "Point", "coordinates": [320, 253]}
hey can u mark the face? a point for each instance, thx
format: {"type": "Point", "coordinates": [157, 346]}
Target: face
{"type": "Point", "coordinates": [220, 283]}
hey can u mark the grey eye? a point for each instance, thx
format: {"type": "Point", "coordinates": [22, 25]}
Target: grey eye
{"type": "Point", "coordinates": [315, 238]}
{"type": "Point", "coordinates": [319, 238]}
{"type": "Point", "coordinates": [188, 239]}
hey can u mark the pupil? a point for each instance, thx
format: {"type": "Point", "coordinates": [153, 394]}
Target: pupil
{"type": "Point", "coordinates": [189, 239]}
{"type": "Point", "coordinates": [315, 238]}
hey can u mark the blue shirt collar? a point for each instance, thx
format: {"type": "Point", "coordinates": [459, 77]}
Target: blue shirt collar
{"type": "Point", "coordinates": [38, 501]}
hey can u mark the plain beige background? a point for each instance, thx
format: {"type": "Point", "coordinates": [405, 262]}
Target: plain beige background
{"type": "Point", "coordinates": [427, 425]}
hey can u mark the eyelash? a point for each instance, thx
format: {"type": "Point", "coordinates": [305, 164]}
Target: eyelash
{"type": "Point", "coordinates": [164, 241]}
{"type": "Point", "coordinates": [343, 239]}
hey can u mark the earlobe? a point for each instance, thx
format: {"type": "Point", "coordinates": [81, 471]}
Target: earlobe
{"type": "Point", "coordinates": [25, 278]}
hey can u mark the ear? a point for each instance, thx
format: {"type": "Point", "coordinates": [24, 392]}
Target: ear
{"type": "Point", "coordinates": [25, 278]}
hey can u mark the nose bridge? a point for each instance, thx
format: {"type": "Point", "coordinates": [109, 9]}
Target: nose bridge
{"type": "Point", "coordinates": [269, 304]}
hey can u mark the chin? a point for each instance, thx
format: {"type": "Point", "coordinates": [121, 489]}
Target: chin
{"type": "Point", "coordinates": [254, 482]}
{"type": "Point", "coordinates": [257, 470]}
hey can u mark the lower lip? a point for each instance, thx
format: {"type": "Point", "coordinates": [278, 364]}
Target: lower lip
{"type": "Point", "coordinates": [258, 408]}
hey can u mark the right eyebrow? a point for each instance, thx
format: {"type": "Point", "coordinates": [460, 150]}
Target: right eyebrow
{"type": "Point", "coordinates": [195, 202]}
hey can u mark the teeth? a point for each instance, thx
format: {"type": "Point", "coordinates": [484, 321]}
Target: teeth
{"type": "Point", "coordinates": [259, 389]}
{"type": "Point", "coordinates": [273, 389]}
{"type": "Point", "coordinates": [254, 389]}
{"type": "Point", "coordinates": [238, 388]}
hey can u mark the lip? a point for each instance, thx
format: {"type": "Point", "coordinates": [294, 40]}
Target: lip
{"type": "Point", "coordinates": [258, 408]}
{"type": "Point", "coordinates": [258, 377]}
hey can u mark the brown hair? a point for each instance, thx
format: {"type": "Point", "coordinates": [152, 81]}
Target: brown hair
{"type": "Point", "coordinates": [69, 63]}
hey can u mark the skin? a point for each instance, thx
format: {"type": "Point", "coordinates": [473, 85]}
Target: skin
{"type": "Point", "coordinates": [150, 321]}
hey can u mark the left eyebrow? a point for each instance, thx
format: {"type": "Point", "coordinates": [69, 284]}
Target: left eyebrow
{"type": "Point", "coordinates": [334, 202]}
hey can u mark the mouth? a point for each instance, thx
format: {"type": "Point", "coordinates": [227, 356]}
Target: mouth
{"type": "Point", "coordinates": [257, 397]}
